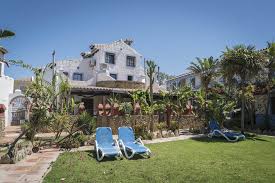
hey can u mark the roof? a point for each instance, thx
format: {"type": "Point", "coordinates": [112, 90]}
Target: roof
{"type": "Point", "coordinates": [3, 50]}
{"type": "Point", "coordinates": [181, 75]}
{"type": "Point", "coordinates": [96, 47]}
{"type": "Point", "coordinates": [25, 79]}
{"type": "Point", "coordinates": [103, 89]}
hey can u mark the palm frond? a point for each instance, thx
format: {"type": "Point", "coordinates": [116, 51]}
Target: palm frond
{"type": "Point", "coordinates": [6, 33]}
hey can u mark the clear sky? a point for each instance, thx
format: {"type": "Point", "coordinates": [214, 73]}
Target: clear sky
{"type": "Point", "coordinates": [170, 32]}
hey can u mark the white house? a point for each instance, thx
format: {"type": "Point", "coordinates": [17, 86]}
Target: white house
{"type": "Point", "coordinates": [6, 85]}
{"type": "Point", "coordinates": [189, 79]}
{"type": "Point", "coordinates": [106, 68]}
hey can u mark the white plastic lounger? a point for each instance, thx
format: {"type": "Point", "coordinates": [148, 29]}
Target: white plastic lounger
{"type": "Point", "coordinates": [105, 145]}
{"type": "Point", "coordinates": [128, 143]}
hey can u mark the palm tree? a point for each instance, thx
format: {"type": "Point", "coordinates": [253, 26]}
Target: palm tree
{"type": "Point", "coordinates": [167, 103]}
{"type": "Point", "coordinates": [206, 69]}
{"type": "Point", "coordinates": [271, 67]}
{"type": "Point", "coordinates": [151, 72]}
{"type": "Point", "coordinates": [5, 34]}
{"type": "Point", "coordinates": [243, 63]}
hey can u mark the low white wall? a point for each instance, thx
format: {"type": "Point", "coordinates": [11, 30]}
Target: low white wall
{"type": "Point", "coordinates": [6, 88]}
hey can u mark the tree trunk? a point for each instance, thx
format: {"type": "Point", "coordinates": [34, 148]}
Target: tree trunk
{"type": "Point", "coordinates": [252, 111]}
{"type": "Point", "coordinates": [151, 123]}
{"type": "Point", "coordinates": [151, 91]}
{"type": "Point", "coordinates": [242, 112]}
{"type": "Point", "coordinates": [168, 117]}
{"type": "Point", "coordinates": [11, 147]}
{"type": "Point", "coordinates": [267, 125]}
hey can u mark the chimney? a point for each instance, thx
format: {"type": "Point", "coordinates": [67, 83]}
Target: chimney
{"type": "Point", "coordinates": [128, 41]}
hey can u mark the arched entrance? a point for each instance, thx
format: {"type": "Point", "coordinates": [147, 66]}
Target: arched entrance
{"type": "Point", "coordinates": [19, 109]}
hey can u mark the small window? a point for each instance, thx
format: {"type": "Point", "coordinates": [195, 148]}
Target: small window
{"type": "Point", "coordinates": [130, 78]}
{"type": "Point", "coordinates": [110, 58]}
{"type": "Point", "coordinates": [78, 76]}
{"type": "Point", "coordinates": [114, 76]}
{"type": "Point", "coordinates": [193, 82]}
{"type": "Point", "coordinates": [131, 61]}
{"type": "Point", "coordinates": [22, 88]}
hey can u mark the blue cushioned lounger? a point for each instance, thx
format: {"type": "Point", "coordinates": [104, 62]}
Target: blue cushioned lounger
{"type": "Point", "coordinates": [216, 131]}
{"type": "Point", "coordinates": [105, 145]}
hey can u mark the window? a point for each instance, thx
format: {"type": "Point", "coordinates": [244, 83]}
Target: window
{"type": "Point", "coordinates": [193, 82]}
{"type": "Point", "coordinates": [78, 76]}
{"type": "Point", "coordinates": [110, 58]}
{"type": "Point", "coordinates": [22, 88]}
{"type": "Point", "coordinates": [114, 76]}
{"type": "Point", "coordinates": [130, 78]}
{"type": "Point", "coordinates": [131, 61]}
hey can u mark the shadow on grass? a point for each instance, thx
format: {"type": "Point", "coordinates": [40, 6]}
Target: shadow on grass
{"type": "Point", "coordinates": [136, 156]}
{"type": "Point", "coordinates": [92, 154]}
{"type": "Point", "coordinates": [252, 137]}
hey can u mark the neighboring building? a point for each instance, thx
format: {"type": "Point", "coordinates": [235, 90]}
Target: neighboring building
{"type": "Point", "coordinates": [22, 84]}
{"type": "Point", "coordinates": [6, 84]}
{"type": "Point", "coordinates": [107, 68]}
{"type": "Point", "coordinates": [188, 79]}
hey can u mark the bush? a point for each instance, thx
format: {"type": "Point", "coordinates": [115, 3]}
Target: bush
{"type": "Point", "coordinates": [70, 143]}
{"type": "Point", "coordinates": [174, 125]}
{"type": "Point", "coordinates": [75, 141]}
{"type": "Point", "coordinates": [142, 131]}
{"type": "Point", "coordinates": [88, 122]}
{"type": "Point", "coordinates": [161, 126]}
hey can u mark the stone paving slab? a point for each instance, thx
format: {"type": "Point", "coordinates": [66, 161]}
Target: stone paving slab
{"type": "Point", "coordinates": [29, 170]}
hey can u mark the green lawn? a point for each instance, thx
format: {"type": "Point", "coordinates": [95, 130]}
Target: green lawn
{"type": "Point", "coordinates": [201, 160]}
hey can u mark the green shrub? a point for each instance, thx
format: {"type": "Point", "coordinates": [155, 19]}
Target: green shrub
{"type": "Point", "coordinates": [87, 122]}
{"type": "Point", "coordinates": [161, 126]}
{"type": "Point", "coordinates": [69, 143]}
{"type": "Point", "coordinates": [141, 130]}
{"type": "Point", "coordinates": [174, 125]}
{"type": "Point", "coordinates": [75, 141]}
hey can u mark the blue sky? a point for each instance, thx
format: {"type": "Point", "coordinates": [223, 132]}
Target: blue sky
{"type": "Point", "coordinates": [170, 32]}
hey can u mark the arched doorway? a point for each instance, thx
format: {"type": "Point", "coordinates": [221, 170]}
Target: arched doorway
{"type": "Point", "coordinates": [19, 109]}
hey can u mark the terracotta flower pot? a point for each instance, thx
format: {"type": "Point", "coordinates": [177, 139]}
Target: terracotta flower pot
{"type": "Point", "coordinates": [137, 108]}
{"type": "Point", "coordinates": [115, 109]}
{"type": "Point", "coordinates": [81, 108]}
{"type": "Point", "coordinates": [100, 109]}
{"type": "Point", "coordinates": [108, 109]}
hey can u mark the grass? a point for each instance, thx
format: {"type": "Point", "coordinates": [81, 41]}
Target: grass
{"type": "Point", "coordinates": [194, 160]}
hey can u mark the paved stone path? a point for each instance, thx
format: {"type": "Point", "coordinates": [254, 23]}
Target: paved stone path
{"type": "Point", "coordinates": [29, 170]}
{"type": "Point", "coordinates": [33, 168]}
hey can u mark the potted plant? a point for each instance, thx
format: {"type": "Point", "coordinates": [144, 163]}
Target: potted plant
{"type": "Point", "coordinates": [2, 109]}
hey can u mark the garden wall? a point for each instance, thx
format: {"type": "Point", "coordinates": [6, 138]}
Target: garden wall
{"type": "Point", "coordinates": [21, 150]}
{"type": "Point", "coordinates": [117, 121]}
{"type": "Point", "coordinates": [2, 125]}
{"type": "Point", "coordinates": [188, 121]}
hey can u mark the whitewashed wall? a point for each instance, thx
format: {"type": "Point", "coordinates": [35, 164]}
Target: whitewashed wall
{"type": "Point", "coordinates": [93, 74]}
{"type": "Point", "coordinates": [6, 88]}
{"type": "Point", "coordinates": [121, 51]}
